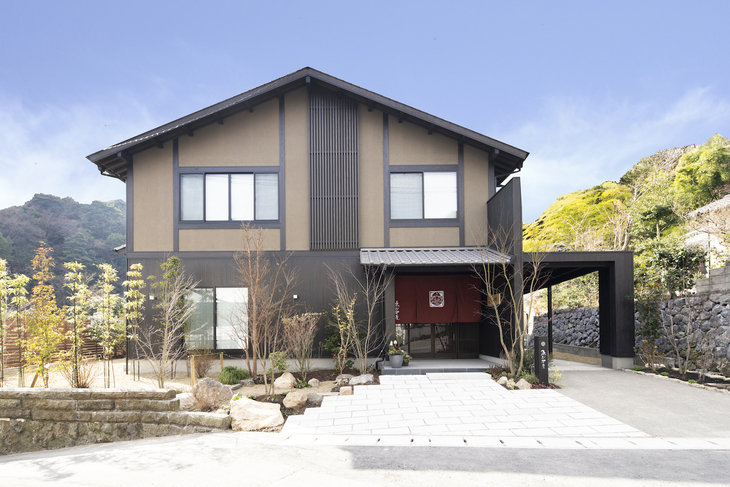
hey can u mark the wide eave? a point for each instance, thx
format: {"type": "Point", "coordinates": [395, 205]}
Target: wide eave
{"type": "Point", "coordinates": [113, 160]}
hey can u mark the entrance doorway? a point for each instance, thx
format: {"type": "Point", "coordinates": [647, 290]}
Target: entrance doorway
{"type": "Point", "coordinates": [441, 340]}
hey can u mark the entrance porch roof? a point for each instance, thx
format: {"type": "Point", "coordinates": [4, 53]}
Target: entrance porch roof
{"type": "Point", "coordinates": [434, 256]}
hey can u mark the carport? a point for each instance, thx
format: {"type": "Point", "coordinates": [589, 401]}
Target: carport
{"type": "Point", "coordinates": [615, 296]}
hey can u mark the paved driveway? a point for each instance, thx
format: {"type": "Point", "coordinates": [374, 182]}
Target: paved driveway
{"type": "Point", "coordinates": [455, 404]}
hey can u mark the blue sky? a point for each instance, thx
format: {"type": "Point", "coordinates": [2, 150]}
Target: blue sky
{"type": "Point", "coordinates": [588, 88]}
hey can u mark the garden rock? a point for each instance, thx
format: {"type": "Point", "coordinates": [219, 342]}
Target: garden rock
{"type": "Point", "coordinates": [285, 381]}
{"type": "Point", "coordinates": [211, 394]}
{"type": "Point", "coordinates": [313, 382]}
{"type": "Point", "coordinates": [250, 415]}
{"type": "Point", "coordinates": [295, 400]}
{"type": "Point", "coordinates": [502, 380]}
{"type": "Point", "coordinates": [346, 391]}
{"type": "Point", "coordinates": [314, 399]}
{"type": "Point", "coordinates": [343, 380]}
{"type": "Point", "coordinates": [523, 385]}
{"type": "Point", "coordinates": [187, 402]}
{"type": "Point", "coordinates": [364, 379]}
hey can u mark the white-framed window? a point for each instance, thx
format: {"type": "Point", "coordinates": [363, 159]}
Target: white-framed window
{"type": "Point", "coordinates": [220, 320]}
{"type": "Point", "coordinates": [229, 197]}
{"type": "Point", "coordinates": [423, 195]}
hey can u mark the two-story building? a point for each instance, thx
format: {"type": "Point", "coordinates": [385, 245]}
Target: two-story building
{"type": "Point", "coordinates": [338, 175]}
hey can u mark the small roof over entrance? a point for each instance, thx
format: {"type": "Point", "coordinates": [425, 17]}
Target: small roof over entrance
{"type": "Point", "coordinates": [437, 256]}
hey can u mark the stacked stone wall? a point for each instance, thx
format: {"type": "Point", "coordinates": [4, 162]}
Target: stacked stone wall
{"type": "Point", "coordinates": [576, 327]}
{"type": "Point", "coordinates": [708, 314]}
{"type": "Point", "coordinates": [45, 419]}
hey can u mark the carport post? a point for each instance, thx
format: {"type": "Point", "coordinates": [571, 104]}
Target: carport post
{"type": "Point", "coordinates": [550, 317]}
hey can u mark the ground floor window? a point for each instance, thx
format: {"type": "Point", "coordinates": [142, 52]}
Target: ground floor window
{"type": "Point", "coordinates": [220, 321]}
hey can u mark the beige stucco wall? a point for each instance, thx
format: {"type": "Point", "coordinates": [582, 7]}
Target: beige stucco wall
{"type": "Point", "coordinates": [371, 178]}
{"type": "Point", "coordinates": [411, 144]}
{"type": "Point", "coordinates": [152, 187]}
{"type": "Point", "coordinates": [244, 139]}
{"type": "Point", "coordinates": [476, 194]}
{"type": "Point", "coordinates": [424, 237]}
{"type": "Point", "coordinates": [228, 239]}
{"type": "Point", "coordinates": [296, 108]}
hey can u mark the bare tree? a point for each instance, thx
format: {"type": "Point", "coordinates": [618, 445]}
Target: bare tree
{"type": "Point", "coordinates": [504, 283]}
{"type": "Point", "coordinates": [163, 344]}
{"type": "Point", "coordinates": [270, 283]}
{"type": "Point", "coordinates": [367, 335]}
{"type": "Point", "coordinates": [299, 331]}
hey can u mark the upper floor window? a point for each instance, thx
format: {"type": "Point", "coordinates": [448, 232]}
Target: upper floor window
{"type": "Point", "coordinates": [229, 197]}
{"type": "Point", "coordinates": [423, 195]}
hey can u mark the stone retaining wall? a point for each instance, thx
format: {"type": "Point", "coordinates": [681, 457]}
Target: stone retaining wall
{"type": "Point", "coordinates": [576, 327]}
{"type": "Point", "coordinates": [709, 315]}
{"type": "Point", "coordinates": [46, 419]}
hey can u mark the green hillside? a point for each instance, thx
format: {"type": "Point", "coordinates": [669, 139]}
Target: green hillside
{"type": "Point", "coordinates": [649, 201]}
{"type": "Point", "coordinates": [86, 233]}
{"type": "Point", "coordinates": [645, 211]}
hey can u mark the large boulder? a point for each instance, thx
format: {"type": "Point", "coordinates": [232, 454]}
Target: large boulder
{"type": "Point", "coordinates": [364, 379]}
{"type": "Point", "coordinates": [250, 415]}
{"type": "Point", "coordinates": [188, 402]}
{"type": "Point", "coordinates": [295, 400]}
{"type": "Point", "coordinates": [211, 394]}
{"type": "Point", "coordinates": [522, 385]}
{"type": "Point", "coordinates": [285, 381]}
{"type": "Point", "coordinates": [314, 382]}
{"type": "Point", "coordinates": [343, 379]}
{"type": "Point", "coordinates": [314, 399]}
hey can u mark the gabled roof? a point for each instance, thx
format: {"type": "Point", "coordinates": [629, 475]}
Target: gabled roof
{"type": "Point", "coordinates": [113, 160]}
{"type": "Point", "coordinates": [716, 205]}
{"type": "Point", "coordinates": [431, 256]}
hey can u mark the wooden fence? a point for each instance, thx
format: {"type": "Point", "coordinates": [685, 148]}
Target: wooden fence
{"type": "Point", "coordinates": [89, 348]}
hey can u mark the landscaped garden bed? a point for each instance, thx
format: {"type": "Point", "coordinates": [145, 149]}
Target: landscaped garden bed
{"type": "Point", "coordinates": [691, 377]}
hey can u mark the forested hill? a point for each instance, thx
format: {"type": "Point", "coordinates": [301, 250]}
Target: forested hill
{"type": "Point", "coordinates": [648, 202]}
{"type": "Point", "coordinates": [85, 233]}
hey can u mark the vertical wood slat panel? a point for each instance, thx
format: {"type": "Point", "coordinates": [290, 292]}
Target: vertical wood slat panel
{"type": "Point", "coordinates": [334, 172]}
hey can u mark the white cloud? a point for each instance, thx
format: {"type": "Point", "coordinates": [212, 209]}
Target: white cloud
{"type": "Point", "coordinates": [577, 144]}
{"type": "Point", "coordinates": [44, 149]}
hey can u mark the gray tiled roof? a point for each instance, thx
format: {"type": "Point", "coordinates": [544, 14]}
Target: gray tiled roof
{"type": "Point", "coordinates": [709, 208]}
{"type": "Point", "coordinates": [431, 256]}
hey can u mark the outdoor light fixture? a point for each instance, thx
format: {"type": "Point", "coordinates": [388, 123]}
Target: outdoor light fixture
{"type": "Point", "coordinates": [296, 297]}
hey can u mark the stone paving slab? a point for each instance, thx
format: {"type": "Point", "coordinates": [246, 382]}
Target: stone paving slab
{"type": "Point", "coordinates": [552, 443]}
{"type": "Point", "coordinates": [464, 405]}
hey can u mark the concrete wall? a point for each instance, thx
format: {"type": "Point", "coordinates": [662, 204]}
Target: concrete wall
{"type": "Point", "coordinates": [371, 178]}
{"type": "Point", "coordinates": [153, 200]}
{"type": "Point", "coordinates": [297, 169]}
{"type": "Point", "coordinates": [476, 195]}
{"type": "Point", "coordinates": [718, 281]}
{"type": "Point", "coordinates": [411, 144]}
{"type": "Point", "coordinates": [244, 139]}
{"type": "Point", "coordinates": [47, 419]}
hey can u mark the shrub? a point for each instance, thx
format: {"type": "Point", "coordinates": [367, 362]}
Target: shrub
{"type": "Point", "coordinates": [231, 375]}
{"type": "Point", "coordinates": [302, 384]}
{"type": "Point", "coordinates": [531, 378]}
{"type": "Point", "coordinates": [637, 367]}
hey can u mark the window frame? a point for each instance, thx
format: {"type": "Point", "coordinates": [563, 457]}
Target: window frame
{"type": "Point", "coordinates": [423, 221]}
{"type": "Point", "coordinates": [215, 324]}
{"type": "Point", "coordinates": [229, 223]}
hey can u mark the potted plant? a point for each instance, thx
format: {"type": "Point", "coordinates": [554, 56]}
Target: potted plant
{"type": "Point", "coordinates": [406, 360]}
{"type": "Point", "coordinates": [395, 355]}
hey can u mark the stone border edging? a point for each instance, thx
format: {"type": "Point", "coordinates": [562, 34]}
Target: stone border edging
{"type": "Point", "coordinates": [698, 386]}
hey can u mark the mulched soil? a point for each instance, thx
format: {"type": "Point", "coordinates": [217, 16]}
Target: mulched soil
{"type": "Point", "coordinates": [714, 381]}
{"type": "Point", "coordinates": [323, 375]}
